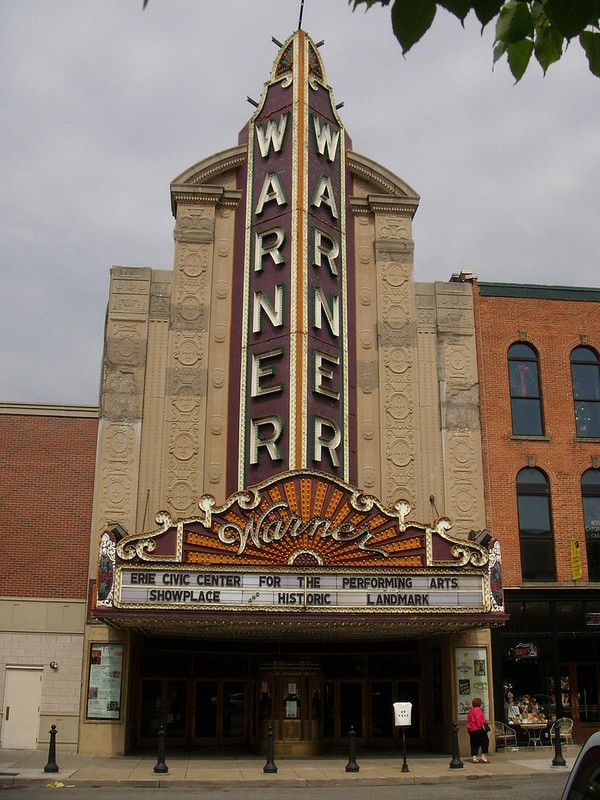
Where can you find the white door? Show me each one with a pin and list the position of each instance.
(22, 699)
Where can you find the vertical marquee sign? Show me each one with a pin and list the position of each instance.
(296, 361)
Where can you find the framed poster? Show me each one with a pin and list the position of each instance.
(104, 681)
(471, 679)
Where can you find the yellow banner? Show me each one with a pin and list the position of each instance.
(576, 570)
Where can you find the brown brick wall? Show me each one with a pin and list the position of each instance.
(554, 328)
(46, 489)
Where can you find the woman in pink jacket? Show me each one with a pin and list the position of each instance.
(476, 726)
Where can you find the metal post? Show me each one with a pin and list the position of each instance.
(404, 764)
(270, 765)
(456, 763)
(558, 760)
(52, 766)
(352, 766)
(160, 766)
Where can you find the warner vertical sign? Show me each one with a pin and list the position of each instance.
(293, 282)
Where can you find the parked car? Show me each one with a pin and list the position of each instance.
(584, 780)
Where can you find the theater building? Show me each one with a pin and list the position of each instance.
(289, 460)
(539, 369)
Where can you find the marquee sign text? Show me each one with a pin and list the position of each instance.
(299, 590)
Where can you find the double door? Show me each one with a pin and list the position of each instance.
(366, 706)
(194, 712)
(226, 713)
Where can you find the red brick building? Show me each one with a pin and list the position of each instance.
(47, 466)
(539, 372)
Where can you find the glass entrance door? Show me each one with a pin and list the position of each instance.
(163, 704)
(583, 686)
(342, 709)
(221, 712)
(368, 707)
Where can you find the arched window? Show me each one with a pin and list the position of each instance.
(585, 374)
(590, 495)
(525, 397)
(535, 526)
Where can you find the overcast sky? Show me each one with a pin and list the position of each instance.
(103, 104)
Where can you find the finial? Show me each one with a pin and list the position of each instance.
(301, 12)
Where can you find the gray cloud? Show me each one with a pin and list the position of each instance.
(103, 104)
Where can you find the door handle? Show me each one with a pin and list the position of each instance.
(7, 713)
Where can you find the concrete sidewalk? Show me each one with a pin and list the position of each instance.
(18, 767)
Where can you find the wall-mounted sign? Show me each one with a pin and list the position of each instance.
(293, 284)
(525, 650)
(104, 681)
(285, 591)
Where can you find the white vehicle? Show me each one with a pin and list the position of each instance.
(584, 780)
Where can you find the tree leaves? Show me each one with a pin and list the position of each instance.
(411, 19)
(523, 27)
(570, 17)
(460, 8)
(486, 10)
(514, 22)
(519, 55)
(548, 46)
(590, 41)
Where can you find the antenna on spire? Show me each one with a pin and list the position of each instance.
(301, 12)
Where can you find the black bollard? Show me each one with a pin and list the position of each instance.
(558, 760)
(456, 763)
(160, 766)
(270, 765)
(404, 764)
(352, 766)
(52, 766)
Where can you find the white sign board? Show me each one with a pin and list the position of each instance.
(402, 714)
(158, 588)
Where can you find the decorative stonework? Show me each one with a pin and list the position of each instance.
(460, 405)
(194, 226)
(117, 468)
(126, 345)
(187, 390)
(393, 248)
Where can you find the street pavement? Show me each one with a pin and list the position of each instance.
(26, 767)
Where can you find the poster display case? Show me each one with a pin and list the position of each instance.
(471, 665)
(105, 681)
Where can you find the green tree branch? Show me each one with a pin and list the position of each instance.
(524, 28)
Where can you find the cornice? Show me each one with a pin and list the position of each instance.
(381, 178)
(197, 179)
(48, 410)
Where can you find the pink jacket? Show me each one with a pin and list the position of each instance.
(475, 719)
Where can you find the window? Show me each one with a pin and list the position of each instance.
(535, 526)
(525, 398)
(585, 374)
(590, 495)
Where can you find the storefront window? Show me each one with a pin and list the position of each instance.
(590, 495)
(538, 616)
(587, 692)
(535, 526)
(569, 616)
